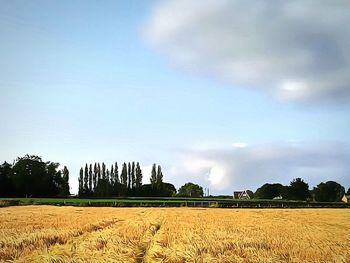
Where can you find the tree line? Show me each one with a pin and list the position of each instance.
(298, 189)
(99, 181)
(30, 176)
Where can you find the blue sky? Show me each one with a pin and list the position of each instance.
(174, 82)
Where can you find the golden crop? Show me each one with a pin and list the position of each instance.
(74, 234)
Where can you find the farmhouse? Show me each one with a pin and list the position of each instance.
(241, 195)
(346, 199)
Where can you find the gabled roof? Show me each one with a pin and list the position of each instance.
(240, 194)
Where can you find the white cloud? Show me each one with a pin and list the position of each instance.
(217, 176)
(230, 168)
(239, 144)
(295, 50)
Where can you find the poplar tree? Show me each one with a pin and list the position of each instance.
(65, 178)
(95, 176)
(90, 178)
(112, 177)
(133, 182)
(153, 178)
(98, 173)
(103, 171)
(159, 176)
(138, 178)
(124, 175)
(107, 177)
(86, 179)
(116, 173)
(129, 175)
(81, 180)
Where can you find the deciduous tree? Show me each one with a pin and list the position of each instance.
(329, 192)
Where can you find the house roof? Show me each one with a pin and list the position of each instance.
(238, 194)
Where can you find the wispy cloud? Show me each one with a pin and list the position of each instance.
(294, 50)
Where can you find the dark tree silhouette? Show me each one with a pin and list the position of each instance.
(86, 180)
(129, 175)
(153, 178)
(112, 177)
(133, 178)
(98, 172)
(103, 171)
(298, 190)
(32, 177)
(124, 175)
(159, 177)
(65, 186)
(108, 175)
(190, 190)
(95, 177)
(90, 179)
(329, 192)
(6, 184)
(269, 191)
(116, 173)
(138, 175)
(81, 182)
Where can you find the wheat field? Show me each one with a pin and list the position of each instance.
(77, 234)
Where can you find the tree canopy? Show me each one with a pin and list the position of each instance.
(190, 190)
(31, 176)
(297, 190)
(269, 191)
(329, 192)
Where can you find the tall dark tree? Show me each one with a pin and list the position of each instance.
(86, 180)
(129, 175)
(81, 182)
(298, 190)
(95, 176)
(108, 175)
(90, 179)
(116, 174)
(159, 176)
(112, 177)
(53, 180)
(65, 177)
(103, 171)
(98, 172)
(6, 185)
(133, 178)
(138, 175)
(348, 192)
(124, 175)
(116, 186)
(153, 178)
(329, 192)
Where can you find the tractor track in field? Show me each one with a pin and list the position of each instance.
(145, 244)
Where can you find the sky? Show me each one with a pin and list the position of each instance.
(227, 94)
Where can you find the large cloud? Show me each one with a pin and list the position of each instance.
(295, 50)
(242, 166)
